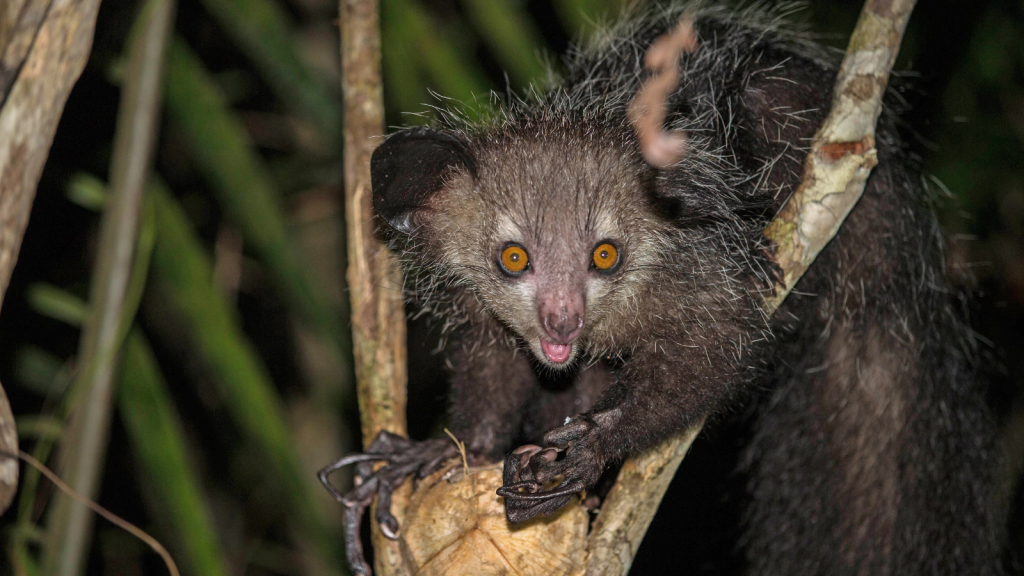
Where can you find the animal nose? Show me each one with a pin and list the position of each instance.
(563, 326)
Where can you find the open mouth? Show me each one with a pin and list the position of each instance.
(556, 353)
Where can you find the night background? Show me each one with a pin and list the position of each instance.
(236, 377)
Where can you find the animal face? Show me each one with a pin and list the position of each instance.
(551, 234)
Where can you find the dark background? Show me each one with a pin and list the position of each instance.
(962, 67)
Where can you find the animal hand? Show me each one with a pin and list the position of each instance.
(403, 458)
(572, 457)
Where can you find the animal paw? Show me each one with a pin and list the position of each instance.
(540, 480)
(403, 458)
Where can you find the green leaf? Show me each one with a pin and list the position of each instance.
(58, 304)
(264, 30)
(581, 17)
(183, 270)
(509, 32)
(87, 191)
(454, 76)
(158, 442)
(222, 149)
(36, 369)
(39, 427)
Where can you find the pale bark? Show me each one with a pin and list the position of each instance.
(630, 506)
(44, 46)
(843, 152)
(374, 280)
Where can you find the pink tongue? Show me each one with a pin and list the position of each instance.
(556, 353)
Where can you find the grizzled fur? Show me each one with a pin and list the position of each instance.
(872, 451)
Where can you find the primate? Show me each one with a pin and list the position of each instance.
(594, 305)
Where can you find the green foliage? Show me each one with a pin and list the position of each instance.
(159, 444)
(221, 147)
(264, 31)
(408, 27)
(55, 303)
(511, 35)
(183, 271)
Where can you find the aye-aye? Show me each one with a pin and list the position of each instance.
(594, 305)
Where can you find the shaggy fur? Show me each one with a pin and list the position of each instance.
(872, 451)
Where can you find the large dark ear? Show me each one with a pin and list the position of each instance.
(409, 168)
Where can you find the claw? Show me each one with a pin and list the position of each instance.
(572, 456)
(510, 492)
(404, 458)
(388, 523)
(549, 455)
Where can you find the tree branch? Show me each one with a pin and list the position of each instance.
(45, 45)
(836, 171)
(374, 280)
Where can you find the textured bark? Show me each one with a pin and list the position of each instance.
(45, 45)
(835, 173)
(18, 26)
(375, 283)
(844, 152)
(630, 506)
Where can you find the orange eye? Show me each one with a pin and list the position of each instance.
(606, 256)
(514, 259)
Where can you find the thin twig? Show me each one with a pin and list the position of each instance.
(110, 516)
(843, 152)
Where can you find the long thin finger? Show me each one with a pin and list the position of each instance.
(362, 493)
(388, 523)
(323, 475)
(353, 545)
(530, 485)
(326, 471)
(431, 466)
(568, 490)
(362, 457)
(516, 469)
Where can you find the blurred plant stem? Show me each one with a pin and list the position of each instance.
(83, 447)
(580, 17)
(263, 30)
(221, 147)
(452, 74)
(374, 280)
(511, 35)
(183, 272)
(158, 442)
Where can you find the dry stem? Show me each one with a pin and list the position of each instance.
(375, 284)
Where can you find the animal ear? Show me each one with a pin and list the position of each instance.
(409, 168)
